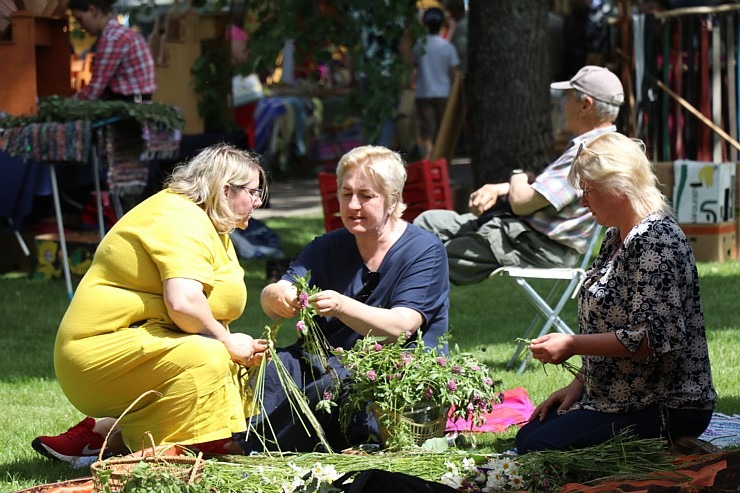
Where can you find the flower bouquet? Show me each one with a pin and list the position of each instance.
(405, 385)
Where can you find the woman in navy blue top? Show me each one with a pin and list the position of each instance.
(378, 274)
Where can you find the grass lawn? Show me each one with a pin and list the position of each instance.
(485, 319)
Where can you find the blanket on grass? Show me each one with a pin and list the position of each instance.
(515, 408)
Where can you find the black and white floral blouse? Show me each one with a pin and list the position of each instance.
(647, 289)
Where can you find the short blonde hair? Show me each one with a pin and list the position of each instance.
(618, 164)
(202, 179)
(385, 167)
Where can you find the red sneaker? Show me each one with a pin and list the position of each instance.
(222, 446)
(78, 441)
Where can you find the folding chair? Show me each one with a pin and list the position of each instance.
(567, 283)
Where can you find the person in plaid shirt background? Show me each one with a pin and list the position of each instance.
(123, 68)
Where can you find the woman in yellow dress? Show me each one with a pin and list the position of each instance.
(152, 313)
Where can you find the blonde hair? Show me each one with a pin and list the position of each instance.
(203, 178)
(618, 164)
(385, 167)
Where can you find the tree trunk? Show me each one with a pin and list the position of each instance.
(507, 88)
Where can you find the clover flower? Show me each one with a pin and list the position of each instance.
(300, 326)
(409, 377)
(303, 300)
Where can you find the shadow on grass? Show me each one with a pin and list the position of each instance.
(34, 472)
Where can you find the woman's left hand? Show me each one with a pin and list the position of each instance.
(552, 348)
(327, 303)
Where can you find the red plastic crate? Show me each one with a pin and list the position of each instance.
(329, 202)
(427, 187)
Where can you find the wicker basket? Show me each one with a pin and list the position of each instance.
(424, 423)
(113, 473)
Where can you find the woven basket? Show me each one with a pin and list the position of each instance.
(113, 473)
(422, 427)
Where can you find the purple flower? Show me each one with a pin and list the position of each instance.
(488, 381)
(457, 369)
(442, 361)
(328, 395)
(428, 393)
(377, 347)
(452, 385)
(300, 327)
(303, 299)
(470, 407)
(408, 334)
(371, 375)
(475, 368)
(406, 358)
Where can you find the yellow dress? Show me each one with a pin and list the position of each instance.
(103, 364)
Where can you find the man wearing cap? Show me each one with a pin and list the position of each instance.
(532, 221)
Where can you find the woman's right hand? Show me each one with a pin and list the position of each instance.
(563, 399)
(280, 299)
(244, 349)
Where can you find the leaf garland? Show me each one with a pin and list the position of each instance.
(61, 109)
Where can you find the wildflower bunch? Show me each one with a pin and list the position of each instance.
(318, 479)
(500, 473)
(314, 341)
(406, 376)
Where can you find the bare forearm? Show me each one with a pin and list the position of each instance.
(605, 344)
(366, 320)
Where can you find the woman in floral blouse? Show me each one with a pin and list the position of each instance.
(642, 339)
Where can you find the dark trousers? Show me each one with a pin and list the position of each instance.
(280, 428)
(583, 428)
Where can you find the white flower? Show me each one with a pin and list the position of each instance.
(516, 482)
(452, 480)
(468, 464)
(452, 468)
(496, 481)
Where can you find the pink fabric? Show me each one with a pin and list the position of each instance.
(236, 33)
(515, 409)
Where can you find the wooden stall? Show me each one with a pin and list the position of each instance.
(35, 61)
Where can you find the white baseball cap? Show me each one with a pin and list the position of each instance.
(597, 82)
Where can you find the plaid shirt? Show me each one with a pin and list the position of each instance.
(564, 220)
(123, 63)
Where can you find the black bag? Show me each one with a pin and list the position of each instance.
(375, 480)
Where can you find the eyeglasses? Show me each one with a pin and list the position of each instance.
(370, 281)
(255, 193)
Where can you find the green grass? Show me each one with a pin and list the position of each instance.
(485, 318)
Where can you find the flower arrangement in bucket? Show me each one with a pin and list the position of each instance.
(412, 389)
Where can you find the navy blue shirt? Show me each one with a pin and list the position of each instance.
(413, 274)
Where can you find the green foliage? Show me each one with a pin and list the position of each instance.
(319, 28)
(149, 477)
(61, 109)
(397, 379)
(210, 84)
